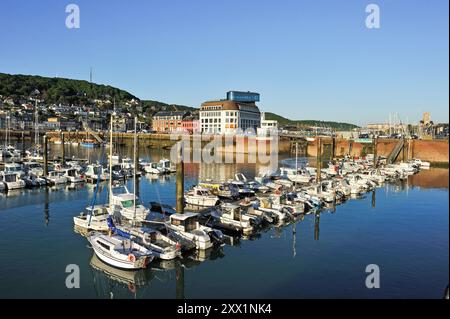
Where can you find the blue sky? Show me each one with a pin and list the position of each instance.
(309, 59)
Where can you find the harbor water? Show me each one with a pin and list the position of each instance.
(401, 227)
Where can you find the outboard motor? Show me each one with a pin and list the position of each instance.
(216, 236)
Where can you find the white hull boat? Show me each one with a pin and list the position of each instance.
(119, 251)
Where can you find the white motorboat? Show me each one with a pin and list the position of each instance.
(32, 180)
(373, 175)
(34, 168)
(222, 190)
(200, 196)
(56, 178)
(12, 181)
(186, 227)
(296, 175)
(93, 218)
(422, 164)
(14, 168)
(153, 168)
(230, 217)
(72, 175)
(161, 246)
(119, 251)
(122, 202)
(167, 166)
(94, 172)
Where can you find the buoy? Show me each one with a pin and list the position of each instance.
(131, 258)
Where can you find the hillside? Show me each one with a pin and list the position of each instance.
(76, 92)
(338, 126)
(59, 90)
(79, 92)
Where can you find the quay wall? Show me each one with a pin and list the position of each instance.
(435, 151)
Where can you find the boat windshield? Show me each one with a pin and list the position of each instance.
(13, 169)
(127, 203)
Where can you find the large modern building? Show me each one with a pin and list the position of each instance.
(237, 112)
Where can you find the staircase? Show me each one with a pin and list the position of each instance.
(396, 151)
(91, 132)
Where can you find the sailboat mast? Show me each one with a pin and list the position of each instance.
(134, 169)
(110, 159)
(296, 157)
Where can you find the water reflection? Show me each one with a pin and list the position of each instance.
(109, 282)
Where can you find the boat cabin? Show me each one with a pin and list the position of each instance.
(231, 211)
(187, 221)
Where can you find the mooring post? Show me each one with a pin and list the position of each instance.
(404, 150)
(375, 153)
(180, 180)
(23, 142)
(316, 226)
(63, 160)
(136, 165)
(373, 198)
(333, 148)
(319, 160)
(45, 156)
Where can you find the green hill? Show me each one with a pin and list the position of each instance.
(79, 92)
(338, 126)
(59, 90)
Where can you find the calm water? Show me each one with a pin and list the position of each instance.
(406, 234)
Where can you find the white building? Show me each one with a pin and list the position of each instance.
(268, 127)
(238, 111)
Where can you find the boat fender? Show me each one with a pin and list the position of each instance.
(131, 258)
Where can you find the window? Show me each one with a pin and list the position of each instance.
(107, 247)
(127, 203)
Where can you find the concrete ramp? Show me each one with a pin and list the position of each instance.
(91, 132)
(396, 151)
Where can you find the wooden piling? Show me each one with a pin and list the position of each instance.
(333, 148)
(23, 143)
(316, 226)
(180, 181)
(375, 153)
(45, 156)
(319, 160)
(63, 154)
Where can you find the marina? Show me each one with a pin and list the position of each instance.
(299, 236)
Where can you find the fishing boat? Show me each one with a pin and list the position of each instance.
(186, 226)
(200, 196)
(93, 218)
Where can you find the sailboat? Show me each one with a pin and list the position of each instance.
(117, 248)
